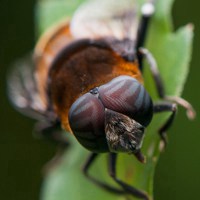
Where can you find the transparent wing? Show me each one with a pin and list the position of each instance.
(22, 89)
(106, 18)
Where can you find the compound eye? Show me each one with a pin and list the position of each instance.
(126, 95)
(86, 117)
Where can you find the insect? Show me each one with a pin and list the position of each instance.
(86, 77)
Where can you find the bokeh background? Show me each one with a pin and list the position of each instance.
(22, 157)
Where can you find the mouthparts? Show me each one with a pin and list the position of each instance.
(123, 133)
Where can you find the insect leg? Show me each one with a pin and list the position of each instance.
(165, 107)
(129, 189)
(51, 131)
(160, 86)
(147, 12)
(91, 159)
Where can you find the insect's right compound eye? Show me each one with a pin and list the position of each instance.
(127, 96)
(86, 119)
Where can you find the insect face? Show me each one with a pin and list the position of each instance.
(112, 116)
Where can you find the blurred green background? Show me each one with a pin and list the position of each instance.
(23, 157)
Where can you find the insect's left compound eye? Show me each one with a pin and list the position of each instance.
(86, 118)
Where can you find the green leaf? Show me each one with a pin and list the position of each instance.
(48, 12)
(172, 51)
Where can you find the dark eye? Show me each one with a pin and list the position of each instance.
(126, 95)
(86, 118)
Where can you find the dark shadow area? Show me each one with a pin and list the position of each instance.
(22, 156)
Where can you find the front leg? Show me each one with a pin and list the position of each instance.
(127, 188)
(160, 86)
(89, 162)
(165, 107)
(170, 102)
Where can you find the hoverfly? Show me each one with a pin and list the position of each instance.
(86, 77)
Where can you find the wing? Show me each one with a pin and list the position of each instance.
(25, 97)
(22, 89)
(106, 18)
(28, 79)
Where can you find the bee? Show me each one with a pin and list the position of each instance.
(86, 77)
